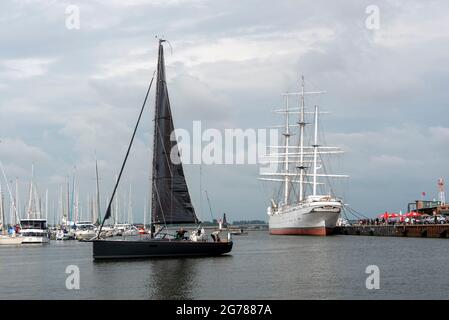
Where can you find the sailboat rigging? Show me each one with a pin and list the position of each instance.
(170, 199)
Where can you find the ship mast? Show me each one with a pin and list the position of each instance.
(302, 125)
(287, 138)
(315, 151)
(303, 156)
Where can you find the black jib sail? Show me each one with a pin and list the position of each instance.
(171, 202)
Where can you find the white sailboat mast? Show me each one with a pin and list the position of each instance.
(37, 203)
(145, 214)
(9, 190)
(17, 206)
(124, 215)
(287, 138)
(76, 205)
(2, 212)
(68, 202)
(97, 191)
(53, 211)
(75, 197)
(89, 214)
(130, 206)
(315, 151)
(31, 193)
(61, 207)
(46, 204)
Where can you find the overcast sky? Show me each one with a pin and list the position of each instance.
(68, 93)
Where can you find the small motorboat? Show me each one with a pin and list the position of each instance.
(238, 232)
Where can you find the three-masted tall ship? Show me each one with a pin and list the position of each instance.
(171, 202)
(305, 207)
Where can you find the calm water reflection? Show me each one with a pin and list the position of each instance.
(260, 267)
(172, 279)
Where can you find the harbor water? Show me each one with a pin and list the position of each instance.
(260, 266)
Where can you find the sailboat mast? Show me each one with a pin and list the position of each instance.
(144, 214)
(124, 215)
(77, 218)
(2, 212)
(72, 209)
(155, 135)
(286, 164)
(315, 151)
(53, 210)
(89, 214)
(9, 189)
(31, 192)
(68, 201)
(61, 207)
(130, 206)
(46, 204)
(98, 193)
(302, 125)
(17, 206)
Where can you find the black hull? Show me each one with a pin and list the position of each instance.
(123, 249)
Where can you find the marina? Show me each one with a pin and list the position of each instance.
(201, 150)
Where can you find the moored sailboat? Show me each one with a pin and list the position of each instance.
(171, 203)
(5, 238)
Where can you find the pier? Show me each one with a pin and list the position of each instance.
(415, 231)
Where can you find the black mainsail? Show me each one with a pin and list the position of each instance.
(171, 203)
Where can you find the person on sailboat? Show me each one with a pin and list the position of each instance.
(180, 234)
(215, 236)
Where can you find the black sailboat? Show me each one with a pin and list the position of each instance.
(171, 203)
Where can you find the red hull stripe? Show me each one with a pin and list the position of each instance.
(319, 231)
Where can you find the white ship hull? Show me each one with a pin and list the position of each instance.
(309, 218)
